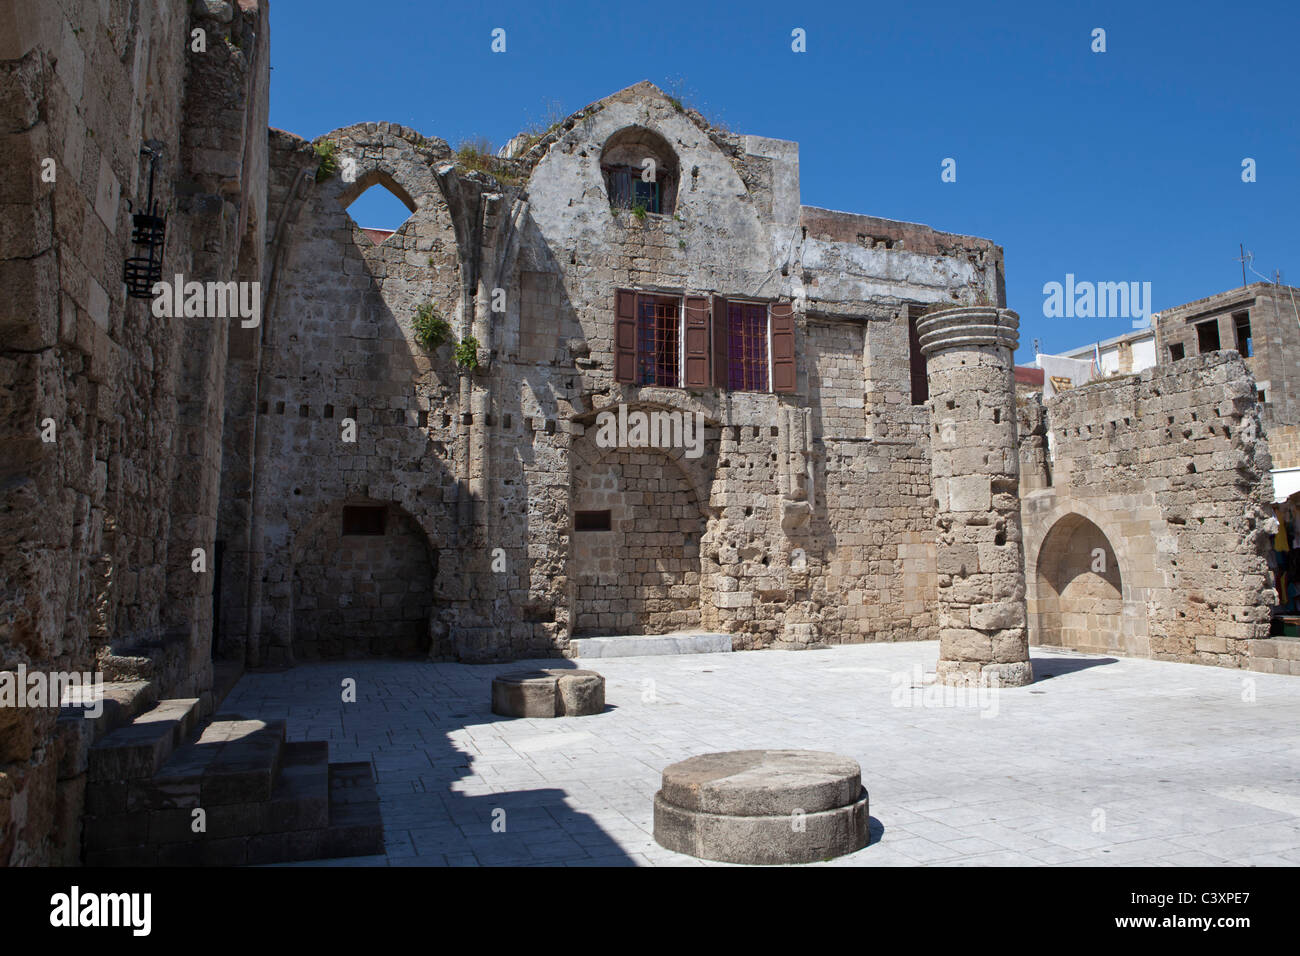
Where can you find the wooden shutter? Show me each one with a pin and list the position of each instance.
(697, 342)
(783, 374)
(721, 368)
(624, 336)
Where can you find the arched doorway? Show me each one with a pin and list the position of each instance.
(362, 584)
(1080, 589)
(635, 544)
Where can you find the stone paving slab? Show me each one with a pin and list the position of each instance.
(1101, 761)
(647, 645)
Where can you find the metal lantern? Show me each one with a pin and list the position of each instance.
(148, 233)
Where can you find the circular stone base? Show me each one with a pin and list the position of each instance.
(549, 692)
(762, 807)
(974, 674)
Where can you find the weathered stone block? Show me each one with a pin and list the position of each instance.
(552, 692)
(762, 807)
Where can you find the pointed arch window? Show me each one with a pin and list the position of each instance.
(378, 205)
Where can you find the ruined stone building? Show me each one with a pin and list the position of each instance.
(1261, 321)
(331, 482)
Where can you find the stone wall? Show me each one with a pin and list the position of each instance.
(809, 518)
(1284, 445)
(338, 360)
(1274, 316)
(526, 255)
(100, 523)
(1158, 490)
(836, 379)
(643, 575)
(358, 595)
(792, 474)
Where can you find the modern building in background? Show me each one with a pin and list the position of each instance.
(1260, 321)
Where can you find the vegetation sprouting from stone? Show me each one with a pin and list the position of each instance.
(477, 154)
(431, 329)
(467, 353)
(326, 151)
(685, 100)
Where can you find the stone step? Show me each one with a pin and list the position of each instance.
(356, 826)
(92, 714)
(651, 645)
(301, 800)
(141, 747)
(233, 761)
(263, 800)
(290, 826)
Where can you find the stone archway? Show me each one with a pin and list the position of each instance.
(363, 579)
(635, 544)
(1080, 589)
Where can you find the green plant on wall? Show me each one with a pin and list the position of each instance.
(639, 211)
(431, 329)
(467, 353)
(478, 154)
(329, 164)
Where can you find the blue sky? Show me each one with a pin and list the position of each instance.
(1115, 166)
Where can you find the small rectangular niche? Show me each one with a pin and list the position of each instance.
(364, 519)
(592, 521)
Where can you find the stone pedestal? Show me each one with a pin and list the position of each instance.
(549, 692)
(763, 806)
(975, 463)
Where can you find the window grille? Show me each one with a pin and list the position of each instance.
(747, 347)
(658, 319)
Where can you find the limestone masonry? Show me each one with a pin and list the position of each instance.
(339, 480)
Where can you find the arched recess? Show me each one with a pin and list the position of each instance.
(640, 168)
(1079, 589)
(636, 527)
(363, 579)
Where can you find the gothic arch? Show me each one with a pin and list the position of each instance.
(376, 177)
(363, 582)
(697, 472)
(639, 572)
(388, 156)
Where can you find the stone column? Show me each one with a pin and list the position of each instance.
(975, 465)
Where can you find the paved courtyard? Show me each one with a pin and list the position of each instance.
(1101, 761)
